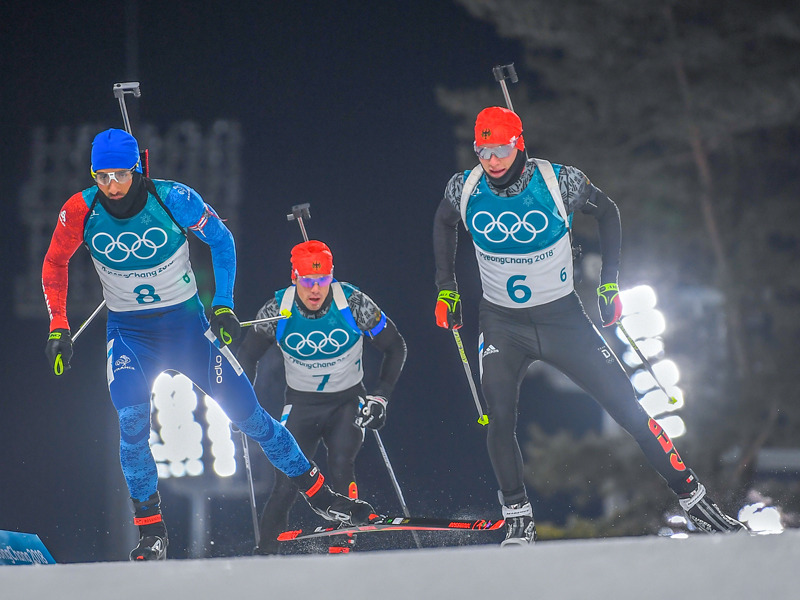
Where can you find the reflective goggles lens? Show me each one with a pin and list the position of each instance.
(118, 176)
(504, 151)
(309, 282)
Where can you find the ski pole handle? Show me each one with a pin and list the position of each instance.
(501, 73)
(300, 212)
(285, 314)
(483, 418)
(120, 89)
(646, 363)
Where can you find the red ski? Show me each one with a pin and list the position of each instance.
(396, 524)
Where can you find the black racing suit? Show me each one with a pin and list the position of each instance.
(322, 416)
(557, 332)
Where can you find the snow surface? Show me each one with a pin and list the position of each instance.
(705, 567)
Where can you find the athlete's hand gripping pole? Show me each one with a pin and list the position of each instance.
(483, 418)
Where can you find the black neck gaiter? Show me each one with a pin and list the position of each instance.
(510, 177)
(130, 204)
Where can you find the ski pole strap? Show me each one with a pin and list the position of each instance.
(450, 298)
(608, 291)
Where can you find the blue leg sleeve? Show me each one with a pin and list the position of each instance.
(138, 465)
(277, 442)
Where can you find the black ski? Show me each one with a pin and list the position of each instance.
(396, 524)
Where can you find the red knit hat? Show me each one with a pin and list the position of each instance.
(312, 258)
(497, 125)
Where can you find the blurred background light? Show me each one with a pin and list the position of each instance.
(637, 299)
(177, 433)
(673, 425)
(761, 519)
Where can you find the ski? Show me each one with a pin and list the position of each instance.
(395, 524)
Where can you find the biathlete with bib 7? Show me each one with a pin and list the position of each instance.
(325, 399)
(519, 213)
(136, 230)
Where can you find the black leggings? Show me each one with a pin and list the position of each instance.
(315, 417)
(562, 335)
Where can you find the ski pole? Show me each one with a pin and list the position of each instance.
(249, 469)
(245, 448)
(89, 320)
(119, 89)
(483, 418)
(394, 482)
(501, 73)
(300, 212)
(285, 314)
(646, 363)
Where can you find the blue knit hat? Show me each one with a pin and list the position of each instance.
(115, 149)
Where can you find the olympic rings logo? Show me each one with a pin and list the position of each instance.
(508, 224)
(317, 341)
(129, 243)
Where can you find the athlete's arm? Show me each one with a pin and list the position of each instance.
(258, 340)
(391, 343)
(445, 234)
(581, 194)
(191, 211)
(66, 239)
(383, 333)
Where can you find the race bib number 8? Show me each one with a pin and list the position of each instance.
(146, 294)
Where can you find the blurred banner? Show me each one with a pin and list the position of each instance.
(23, 549)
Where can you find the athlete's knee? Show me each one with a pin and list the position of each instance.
(134, 423)
(501, 402)
(341, 469)
(259, 425)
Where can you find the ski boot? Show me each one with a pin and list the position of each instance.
(329, 504)
(704, 514)
(520, 529)
(153, 540)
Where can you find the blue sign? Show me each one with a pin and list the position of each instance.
(23, 549)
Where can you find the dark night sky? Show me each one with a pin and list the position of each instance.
(337, 103)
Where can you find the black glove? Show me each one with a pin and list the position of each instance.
(59, 350)
(610, 304)
(448, 310)
(225, 325)
(371, 412)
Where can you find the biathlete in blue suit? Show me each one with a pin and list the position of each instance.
(136, 231)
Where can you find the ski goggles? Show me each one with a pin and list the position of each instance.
(504, 151)
(321, 280)
(120, 177)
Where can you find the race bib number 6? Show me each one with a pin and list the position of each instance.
(521, 293)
